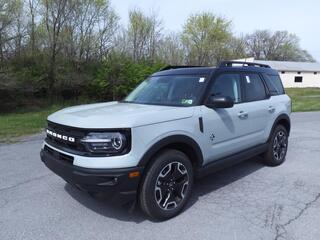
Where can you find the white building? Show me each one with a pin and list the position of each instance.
(295, 74)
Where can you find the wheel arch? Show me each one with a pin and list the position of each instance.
(183, 143)
(284, 120)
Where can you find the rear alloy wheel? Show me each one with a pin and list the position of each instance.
(167, 185)
(278, 145)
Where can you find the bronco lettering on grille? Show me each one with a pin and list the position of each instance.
(60, 136)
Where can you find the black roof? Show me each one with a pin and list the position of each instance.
(228, 66)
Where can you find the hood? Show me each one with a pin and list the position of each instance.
(118, 115)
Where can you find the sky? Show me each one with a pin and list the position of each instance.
(301, 17)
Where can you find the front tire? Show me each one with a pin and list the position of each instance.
(167, 185)
(278, 145)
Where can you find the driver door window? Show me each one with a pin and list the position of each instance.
(227, 85)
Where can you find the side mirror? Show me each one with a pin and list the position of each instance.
(219, 102)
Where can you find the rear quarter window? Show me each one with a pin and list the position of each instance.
(274, 84)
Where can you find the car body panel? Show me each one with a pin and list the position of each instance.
(282, 105)
(225, 133)
(118, 115)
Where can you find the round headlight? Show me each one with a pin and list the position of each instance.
(109, 142)
(117, 142)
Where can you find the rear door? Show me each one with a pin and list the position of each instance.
(257, 106)
(279, 103)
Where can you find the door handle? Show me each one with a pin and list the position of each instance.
(271, 109)
(242, 115)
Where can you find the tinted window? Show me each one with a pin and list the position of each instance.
(227, 85)
(254, 87)
(274, 84)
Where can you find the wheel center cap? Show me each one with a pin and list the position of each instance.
(171, 184)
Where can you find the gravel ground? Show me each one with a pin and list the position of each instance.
(247, 201)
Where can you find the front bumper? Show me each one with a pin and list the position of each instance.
(116, 182)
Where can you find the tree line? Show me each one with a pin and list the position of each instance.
(66, 49)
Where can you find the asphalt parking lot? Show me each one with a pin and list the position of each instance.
(247, 201)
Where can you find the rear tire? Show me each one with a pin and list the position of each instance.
(278, 145)
(167, 185)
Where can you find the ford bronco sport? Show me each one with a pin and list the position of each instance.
(179, 124)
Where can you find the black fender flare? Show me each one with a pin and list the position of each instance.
(280, 118)
(172, 140)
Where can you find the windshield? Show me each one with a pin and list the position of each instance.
(168, 90)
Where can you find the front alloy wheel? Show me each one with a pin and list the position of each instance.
(171, 185)
(167, 185)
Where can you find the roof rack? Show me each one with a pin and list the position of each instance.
(175, 67)
(248, 64)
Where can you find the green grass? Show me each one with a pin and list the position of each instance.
(304, 99)
(23, 123)
(13, 125)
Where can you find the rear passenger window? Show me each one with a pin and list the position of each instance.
(254, 87)
(227, 85)
(274, 84)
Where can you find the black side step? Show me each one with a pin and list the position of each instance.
(230, 160)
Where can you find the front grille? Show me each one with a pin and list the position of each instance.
(66, 131)
(58, 155)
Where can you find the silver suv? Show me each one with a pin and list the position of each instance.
(179, 124)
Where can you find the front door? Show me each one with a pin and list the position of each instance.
(225, 128)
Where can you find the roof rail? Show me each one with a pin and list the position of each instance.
(249, 64)
(175, 67)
